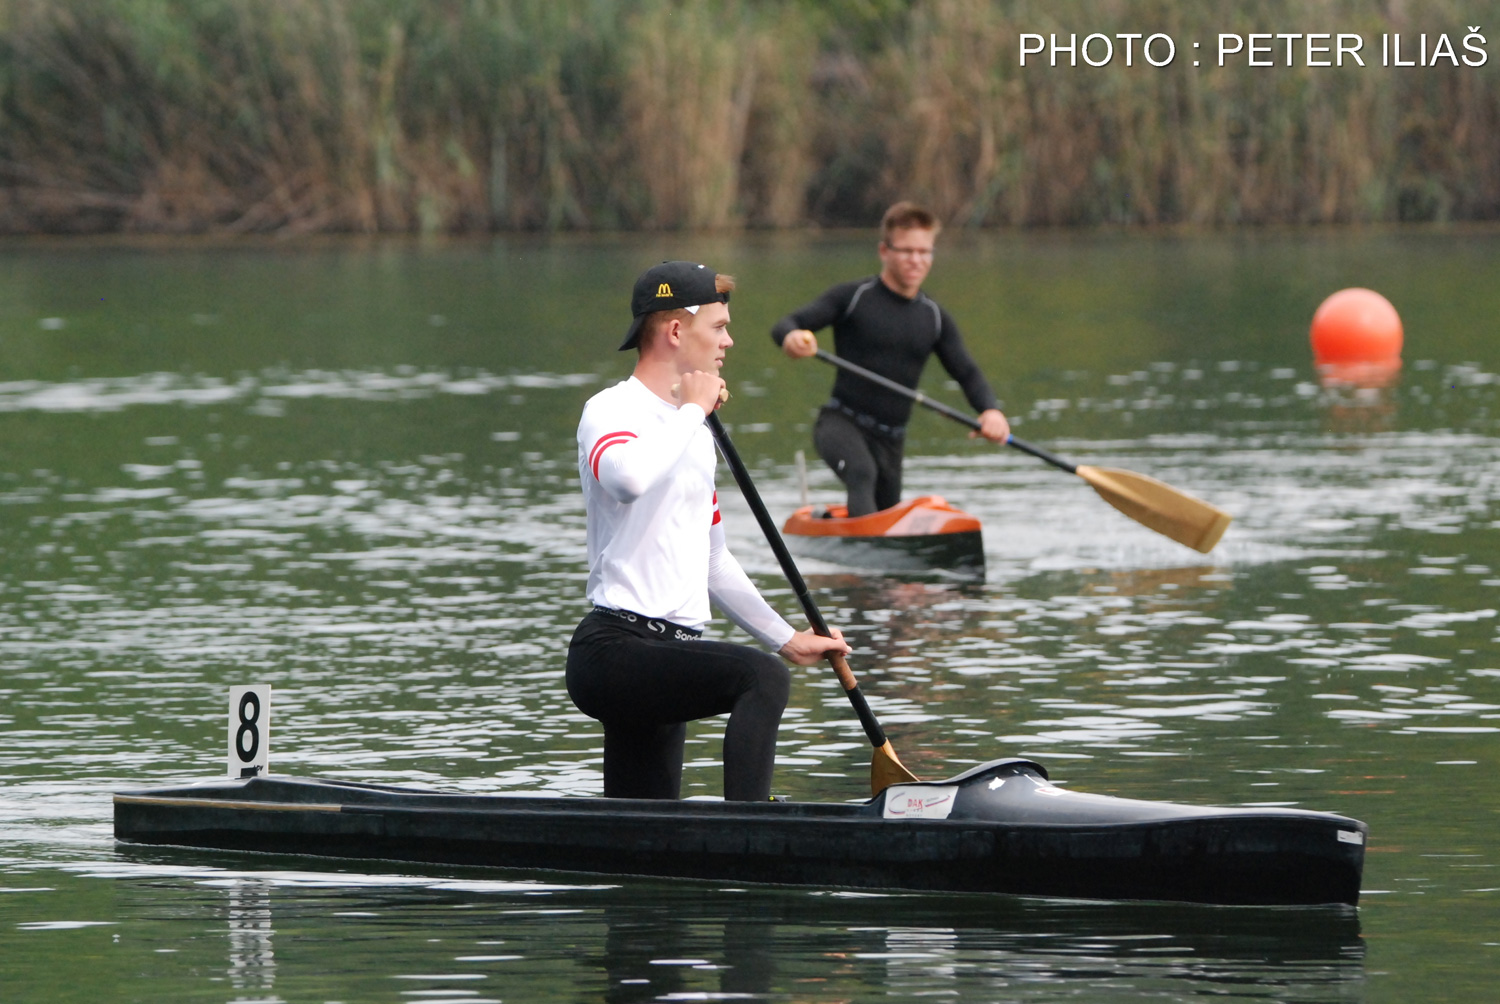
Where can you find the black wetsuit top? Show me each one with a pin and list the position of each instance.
(883, 331)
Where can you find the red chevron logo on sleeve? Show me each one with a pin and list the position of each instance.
(603, 443)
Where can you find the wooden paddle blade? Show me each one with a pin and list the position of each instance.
(887, 769)
(1163, 508)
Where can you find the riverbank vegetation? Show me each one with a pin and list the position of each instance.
(486, 115)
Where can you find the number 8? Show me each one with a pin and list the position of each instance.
(247, 724)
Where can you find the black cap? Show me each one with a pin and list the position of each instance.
(671, 285)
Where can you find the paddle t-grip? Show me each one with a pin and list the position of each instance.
(723, 393)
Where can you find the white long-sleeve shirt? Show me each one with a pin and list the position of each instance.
(655, 539)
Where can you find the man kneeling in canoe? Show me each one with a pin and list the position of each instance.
(885, 323)
(657, 556)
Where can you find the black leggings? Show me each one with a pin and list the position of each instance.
(868, 463)
(644, 684)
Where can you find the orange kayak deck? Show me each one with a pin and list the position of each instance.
(924, 534)
(919, 517)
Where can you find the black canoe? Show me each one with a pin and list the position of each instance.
(999, 828)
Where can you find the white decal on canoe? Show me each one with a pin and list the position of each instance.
(1045, 788)
(910, 801)
(1351, 837)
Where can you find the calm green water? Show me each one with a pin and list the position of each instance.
(348, 470)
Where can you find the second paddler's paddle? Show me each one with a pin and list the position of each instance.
(1148, 501)
(886, 768)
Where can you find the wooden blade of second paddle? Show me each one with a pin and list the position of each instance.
(887, 769)
(1159, 506)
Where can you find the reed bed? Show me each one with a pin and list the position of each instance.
(486, 115)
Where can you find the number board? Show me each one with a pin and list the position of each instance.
(249, 730)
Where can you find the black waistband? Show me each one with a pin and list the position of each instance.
(867, 422)
(654, 627)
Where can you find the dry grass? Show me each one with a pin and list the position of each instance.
(480, 115)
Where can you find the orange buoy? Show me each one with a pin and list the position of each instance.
(1356, 326)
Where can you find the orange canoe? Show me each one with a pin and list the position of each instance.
(924, 534)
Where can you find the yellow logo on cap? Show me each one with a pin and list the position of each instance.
(664, 290)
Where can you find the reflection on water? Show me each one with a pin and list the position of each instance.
(1360, 401)
(377, 515)
(252, 960)
(477, 936)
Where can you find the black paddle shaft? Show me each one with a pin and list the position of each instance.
(943, 409)
(867, 718)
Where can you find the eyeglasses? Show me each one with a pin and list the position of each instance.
(910, 252)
